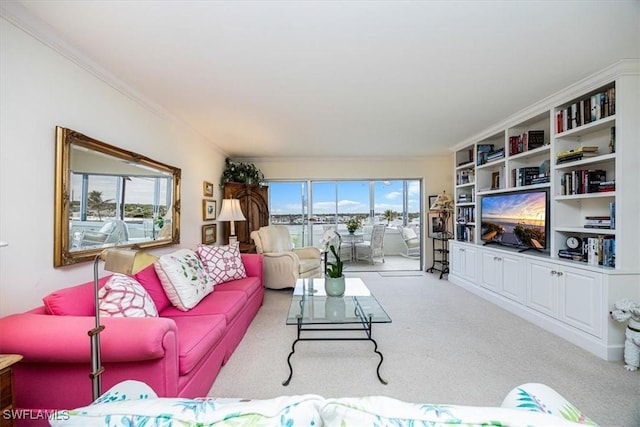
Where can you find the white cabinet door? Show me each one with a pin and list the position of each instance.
(542, 287)
(512, 283)
(463, 261)
(581, 299)
(491, 271)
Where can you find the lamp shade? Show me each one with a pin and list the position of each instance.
(231, 211)
(442, 203)
(125, 261)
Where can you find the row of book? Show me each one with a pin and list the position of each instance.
(600, 250)
(575, 154)
(526, 141)
(465, 198)
(585, 181)
(466, 215)
(587, 110)
(465, 233)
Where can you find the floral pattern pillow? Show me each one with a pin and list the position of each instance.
(123, 296)
(223, 263)
(184, 278)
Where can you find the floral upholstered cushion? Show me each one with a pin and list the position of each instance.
(385, 411)
(184, 279)
(134, 404)
(123, 296)
(222, 262)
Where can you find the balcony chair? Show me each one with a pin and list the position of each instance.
(411, 241)
(114, 232)
(373, 249)
(284, 264)
(336, 240)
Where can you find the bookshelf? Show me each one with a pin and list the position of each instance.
(587, 157)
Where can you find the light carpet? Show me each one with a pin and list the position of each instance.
(445, 345)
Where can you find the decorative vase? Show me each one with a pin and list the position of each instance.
(352, 231)
(334, 287)
(334, 308)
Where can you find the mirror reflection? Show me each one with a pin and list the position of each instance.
(111, 197)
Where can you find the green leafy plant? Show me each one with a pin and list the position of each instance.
(334, 269)
(245, 173)
(353, 224)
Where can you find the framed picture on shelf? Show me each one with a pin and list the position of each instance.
(436, 225)
(432, 200)
(208, 210)
(495, 180)
(207, 189)
(209, 232)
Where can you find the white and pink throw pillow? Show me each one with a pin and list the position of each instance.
(222, 262)
(183, 278)
(123, 296)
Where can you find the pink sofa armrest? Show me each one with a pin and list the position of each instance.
(253, 265)
(64, 339)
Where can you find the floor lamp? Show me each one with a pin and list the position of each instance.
(231, 211)
(123, 261)
(444, 205)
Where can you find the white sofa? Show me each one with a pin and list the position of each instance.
(134, 403)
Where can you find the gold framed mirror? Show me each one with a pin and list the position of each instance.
(106, 196)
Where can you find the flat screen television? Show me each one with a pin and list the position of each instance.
(518, 219)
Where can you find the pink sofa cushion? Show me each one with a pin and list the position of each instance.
(195, 341)
(74, 301)
(249, 286)
(149, 280)
(228, 303)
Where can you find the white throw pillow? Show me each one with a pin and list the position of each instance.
(184, 278)
(123, 296)
(223, 263)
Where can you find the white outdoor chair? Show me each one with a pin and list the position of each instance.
(411, 241)
(372, 250)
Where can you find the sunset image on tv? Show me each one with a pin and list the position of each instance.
(515, 219)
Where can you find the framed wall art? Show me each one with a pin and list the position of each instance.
(432, 200)
(208, 210)
(436, 225)
(209, 232)
(207, 189)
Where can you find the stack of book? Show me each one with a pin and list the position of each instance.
(603, 222)
(569, 254)
(576, 154)
(497, 154)
(606, 186)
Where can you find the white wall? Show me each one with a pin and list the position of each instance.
(40, 89)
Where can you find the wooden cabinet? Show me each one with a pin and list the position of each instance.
(254, 201)
(7, 394)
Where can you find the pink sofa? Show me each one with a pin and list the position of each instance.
(178, 354)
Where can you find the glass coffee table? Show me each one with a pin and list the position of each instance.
(319, 317)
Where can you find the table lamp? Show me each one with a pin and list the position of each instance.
(232, 212)
(444, 205)
(123, 261)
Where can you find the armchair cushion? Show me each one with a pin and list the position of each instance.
(183, 278)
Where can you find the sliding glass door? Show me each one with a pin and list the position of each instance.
(307, 207)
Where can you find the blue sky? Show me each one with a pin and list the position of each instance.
(352, 196)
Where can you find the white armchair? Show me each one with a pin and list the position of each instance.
(411, 241)
(284, 264)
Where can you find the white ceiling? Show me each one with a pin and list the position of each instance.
(337, 78)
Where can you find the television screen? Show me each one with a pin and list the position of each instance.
(516, 219)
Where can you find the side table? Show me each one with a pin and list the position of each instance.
(7, 394)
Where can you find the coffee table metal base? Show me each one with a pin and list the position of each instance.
(366, 327)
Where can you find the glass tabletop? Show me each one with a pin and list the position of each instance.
(312, 306)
